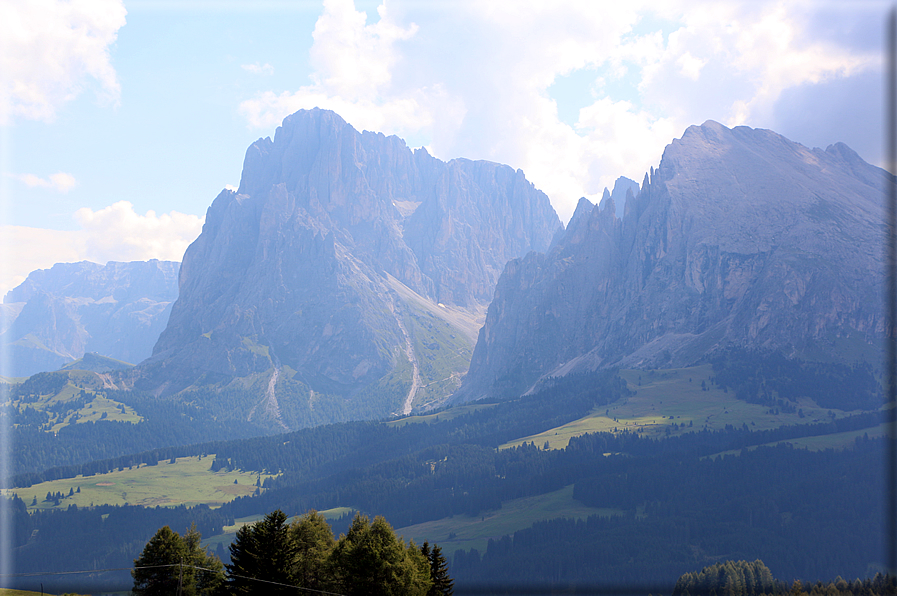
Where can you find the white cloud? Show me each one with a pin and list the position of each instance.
(60, 181)
(114, 233)
(689, 66)
(353, 64)
(256, 68)
(732, 61)
(28, 249)
(474, 80)
(51, 49)
(118, 233)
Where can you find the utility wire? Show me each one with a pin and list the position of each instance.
(254, 579)
(265, 581)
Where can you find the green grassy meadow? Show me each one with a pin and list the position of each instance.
(466, 532)
(186, 482)
(227, 536)
(446, 415)
(64, 407)
(665, 402)
(667, 397)
(822, 442)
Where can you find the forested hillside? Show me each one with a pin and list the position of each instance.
(662, 505)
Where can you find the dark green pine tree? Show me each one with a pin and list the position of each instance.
(262, 558)
(157, 570)
(370, 560)
(314, 542)
(443, 584)
(171, 564)
(207, 572)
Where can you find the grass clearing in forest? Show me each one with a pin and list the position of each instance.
(843, 440)
(466, 532)
(449, 414)
(230, 532)
(680, 397)
(188, 481)
(66, 406)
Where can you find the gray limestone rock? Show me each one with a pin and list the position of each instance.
(333, 243)
(57, 315)
(740, 238)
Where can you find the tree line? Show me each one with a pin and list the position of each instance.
(273, 557)
(668, 492)
(767, 377)
(743, 578)
(806, 512)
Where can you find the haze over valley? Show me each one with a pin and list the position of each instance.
(475, 298)
(734, 308)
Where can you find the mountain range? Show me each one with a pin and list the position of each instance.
(349, 276)
(669, 380)
(346, 269)
(58, 315)
(739, 239)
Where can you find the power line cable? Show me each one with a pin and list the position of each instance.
(255, 579)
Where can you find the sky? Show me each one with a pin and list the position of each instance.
(121, 121)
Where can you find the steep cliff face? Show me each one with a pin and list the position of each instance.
(57, 315)
(317, 265)
(740, 238)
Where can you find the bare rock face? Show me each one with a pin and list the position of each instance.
(740, 238)
(57, 315)
(334, 241)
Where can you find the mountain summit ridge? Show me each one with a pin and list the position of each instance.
(739, 238)
(305, 267)
(57, 315)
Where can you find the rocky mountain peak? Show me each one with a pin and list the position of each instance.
(314, 264)
(57, 315)
(739, 238)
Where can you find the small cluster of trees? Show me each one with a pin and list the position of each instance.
(741, 578)
(175, 564)
(731, 578)
(273, 557)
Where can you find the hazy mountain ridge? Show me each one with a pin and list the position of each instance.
(297, 270)
(57, 315)
(777, 244)
(741, 237)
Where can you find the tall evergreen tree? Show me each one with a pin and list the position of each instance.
(314, 541)
(442, 583)
(157, 570)
(262, 551)
(207, 571)
(371, 560)
(169, 562)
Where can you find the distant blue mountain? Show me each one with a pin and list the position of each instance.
(115, 310)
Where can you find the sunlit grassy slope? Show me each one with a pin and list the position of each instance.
(673, 402)
(442, 337)
(66, 406)
(466, 532)
(441, 416)
(188, 481)
(230, 532)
